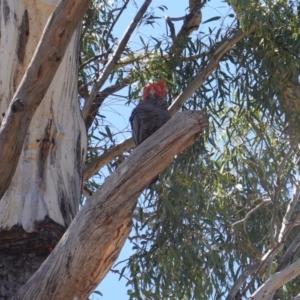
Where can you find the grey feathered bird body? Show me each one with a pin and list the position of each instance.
(148, 116)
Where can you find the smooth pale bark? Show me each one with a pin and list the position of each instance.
(39, 74)
(47, 181)
(277, 280)
(94, 239)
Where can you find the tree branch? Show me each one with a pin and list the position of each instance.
(297, 297)
(40, 72)
(122, 9)
(249, 270)
(191, 23)
(244, 220)
(97, 102)
(105, 158)
(289, 254)
(289, 211)
(115, 57)
(276, 281)
(176, 105)
(204, 73)
(95, 237)
(271, 253)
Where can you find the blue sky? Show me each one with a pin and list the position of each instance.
(111, 287)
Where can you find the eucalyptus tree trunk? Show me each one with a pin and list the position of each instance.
(43, 196)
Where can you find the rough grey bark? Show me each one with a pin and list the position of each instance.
(22, 253)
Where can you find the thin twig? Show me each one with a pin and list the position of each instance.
(121, 275)
(99, 99)
(115, 57)
(96, 57)
(250, 212)
(116, 20)
(266, 257)
(105, 158)
(204, 73)
(241, 280)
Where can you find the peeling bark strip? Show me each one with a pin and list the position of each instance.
(23, 37)
(6, 11)
(91, 244)
(36, 81)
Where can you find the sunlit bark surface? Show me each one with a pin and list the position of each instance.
(47, 181)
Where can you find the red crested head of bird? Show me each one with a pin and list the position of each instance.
(156, 90)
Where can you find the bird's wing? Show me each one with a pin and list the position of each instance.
(135, 124)
(146, 118)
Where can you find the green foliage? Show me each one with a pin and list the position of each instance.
(220, 205)
(197, 244)
(271, 60)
